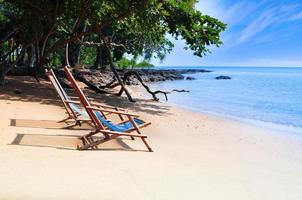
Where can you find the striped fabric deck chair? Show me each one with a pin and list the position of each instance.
(129, 127)
(71, 103)
(72, 109)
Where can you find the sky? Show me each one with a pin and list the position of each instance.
(259, 33)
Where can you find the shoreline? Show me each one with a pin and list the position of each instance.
(195, 156)
(265, 125)
(278, 128)
(263, 98)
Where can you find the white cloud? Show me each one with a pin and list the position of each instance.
(232, 14)
(297, 16)
(259, 24)
(271, 17)
(251, 24)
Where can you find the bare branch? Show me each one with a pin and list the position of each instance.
(153, 93)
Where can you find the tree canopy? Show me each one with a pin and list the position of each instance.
(34, 33)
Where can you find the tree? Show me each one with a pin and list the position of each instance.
(112, 28)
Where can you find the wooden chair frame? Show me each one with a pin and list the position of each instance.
(75, 100)
(88, 141)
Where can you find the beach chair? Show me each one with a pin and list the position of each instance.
(71, 103)
(72, 110)
(129, 127)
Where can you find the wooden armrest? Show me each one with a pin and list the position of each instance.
(73, 97)
(75, 102)
(123, 134)
(104, 106)
(112, 111)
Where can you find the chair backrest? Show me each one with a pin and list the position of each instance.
(55, 83)
(71, 108)
(83, 99)
(58, 86)
(74, 108)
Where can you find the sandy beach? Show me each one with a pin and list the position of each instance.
(195, 156)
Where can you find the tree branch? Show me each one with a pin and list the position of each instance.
(128, 74)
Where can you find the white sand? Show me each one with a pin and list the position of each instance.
(196, 157)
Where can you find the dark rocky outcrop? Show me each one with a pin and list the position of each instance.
(101, 78)
(193, 71)
(16, 91)
(190, 78)
(223, 78)
(102, 81)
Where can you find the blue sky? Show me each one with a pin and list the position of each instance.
(260, 33)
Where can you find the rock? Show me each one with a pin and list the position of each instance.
(223, 78)
(16, 91)
(190, 78)
(193, 71)
(97, 79)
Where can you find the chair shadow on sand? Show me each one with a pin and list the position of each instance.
(48, 124)
(66, 142)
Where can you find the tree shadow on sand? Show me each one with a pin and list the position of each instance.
(27, 89)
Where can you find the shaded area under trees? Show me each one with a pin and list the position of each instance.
(34, 34)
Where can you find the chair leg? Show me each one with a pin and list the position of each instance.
(86, 144)
(89, 143)
(91, 133)
(64, 120)
(93, 144)
(77, 123)
(147, 145)
(90, 139)
(139, 132)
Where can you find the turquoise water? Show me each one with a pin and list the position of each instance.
(267, 95)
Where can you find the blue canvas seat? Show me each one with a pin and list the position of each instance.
(123, 127)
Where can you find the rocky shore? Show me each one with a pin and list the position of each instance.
(100, 78)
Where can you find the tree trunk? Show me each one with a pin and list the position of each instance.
(98, 58)
(4, 69)
(31, 58)
(113, 69)
(74, 53)
(22, 57)
(2, 79)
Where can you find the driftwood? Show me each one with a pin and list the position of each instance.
(94, 87)
(98, 85)
(128, 74)
(90, 84)
(116, 80)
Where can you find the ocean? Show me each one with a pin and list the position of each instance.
(267, 96)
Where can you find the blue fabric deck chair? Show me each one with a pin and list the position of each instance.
(130, 127)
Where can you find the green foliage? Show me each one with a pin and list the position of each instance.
(135, 27)
(87, 56)
(144, 64)
(125, 63)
